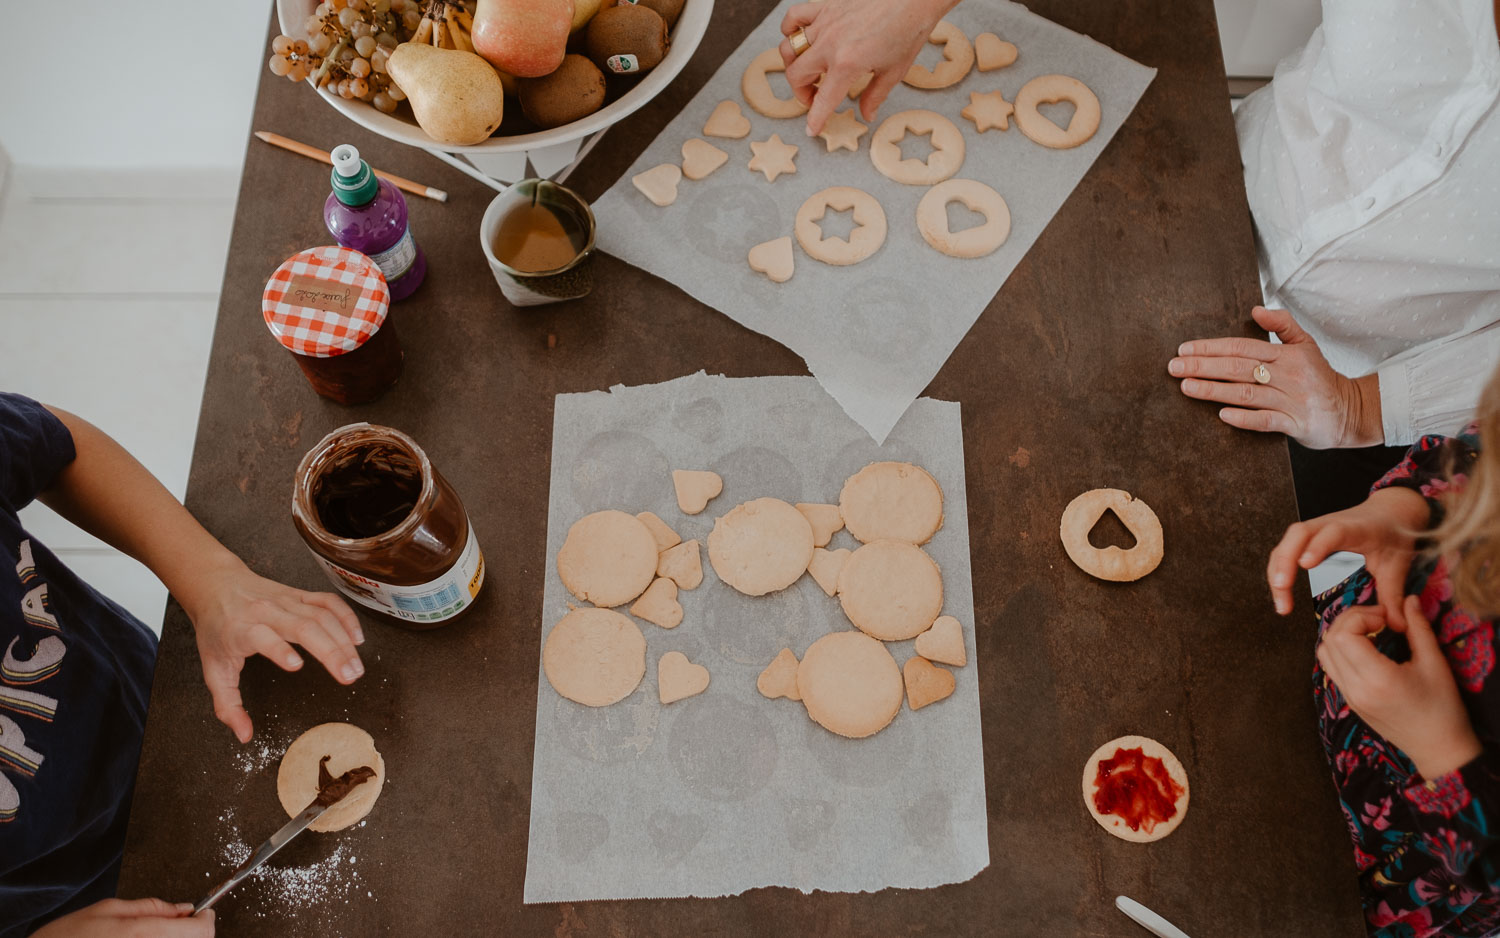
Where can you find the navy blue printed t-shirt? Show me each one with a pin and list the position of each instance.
(74, 682)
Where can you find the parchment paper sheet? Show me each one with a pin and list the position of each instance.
(728, 791)
(874, 334)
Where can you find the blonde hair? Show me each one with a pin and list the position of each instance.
(1471, 527)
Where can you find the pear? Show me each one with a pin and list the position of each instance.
(457, 97)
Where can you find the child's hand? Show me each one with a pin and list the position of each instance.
(133, 918)
(1415, 705)
(1377, 528)
(237, 613)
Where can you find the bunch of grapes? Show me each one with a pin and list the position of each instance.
(347, 45)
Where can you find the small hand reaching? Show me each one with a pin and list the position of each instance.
(131, 918)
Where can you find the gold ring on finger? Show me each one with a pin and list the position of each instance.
(800, 42)
(1262, 374)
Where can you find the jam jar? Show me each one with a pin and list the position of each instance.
(386, 527)
(328, 306)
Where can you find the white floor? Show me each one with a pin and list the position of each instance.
(109, 284)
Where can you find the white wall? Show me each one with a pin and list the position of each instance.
(1256, 34)
(149, 83)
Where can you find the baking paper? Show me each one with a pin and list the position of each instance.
(874, 334)
(727, 791)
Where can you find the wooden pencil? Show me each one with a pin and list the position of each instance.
(286, 143)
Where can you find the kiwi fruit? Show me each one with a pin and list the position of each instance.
(574, 90)
(669, 10)
(628, 29)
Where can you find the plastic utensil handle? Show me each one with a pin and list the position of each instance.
(1148, 919)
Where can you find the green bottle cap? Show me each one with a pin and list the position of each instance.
(353, 182)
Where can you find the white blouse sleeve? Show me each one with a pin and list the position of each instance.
(1435, 388)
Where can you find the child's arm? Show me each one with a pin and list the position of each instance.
(235, 612)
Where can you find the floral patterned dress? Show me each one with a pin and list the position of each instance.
(1427, 850)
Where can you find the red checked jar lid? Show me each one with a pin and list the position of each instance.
(329, 307)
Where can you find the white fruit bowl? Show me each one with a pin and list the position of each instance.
(402, 127)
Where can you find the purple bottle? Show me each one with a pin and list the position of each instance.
(368, 214)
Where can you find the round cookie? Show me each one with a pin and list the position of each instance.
(1112, 563)
(947, 155)
(594, 656)
(894, 501)
(609, 558)
(348, 747)
(932, 218)
(1046, 89)
(891, 590)
(757, 89)
(761, 546)
(1148, 830)
(850, 684)
(864, 240)
(958, 58)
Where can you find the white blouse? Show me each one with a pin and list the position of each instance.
(1372, 164)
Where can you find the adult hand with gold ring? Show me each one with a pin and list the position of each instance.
(849, 39)
(1301, 396)
(799, 42)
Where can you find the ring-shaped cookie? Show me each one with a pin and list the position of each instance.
(958, 58)
(1112, 563)
(864, 240)
(1048, 89)
(932, 218)
(947, 155)
(757, 88)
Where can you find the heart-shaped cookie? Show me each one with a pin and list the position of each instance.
(943, 642)
(681, 565)
(826, 521)
(774, 259)
(664, 535)
(677, 677)
(727, 121)
(992, 52)
(695, 487)
(926, 683)
(659, 605)
(779, 679)
(825, 566)
(699, 158)
(659, 183)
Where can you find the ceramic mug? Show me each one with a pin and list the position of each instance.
(533, 288)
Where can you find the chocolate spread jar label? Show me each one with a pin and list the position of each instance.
(436, 601)
(623, 64)
(398, 258)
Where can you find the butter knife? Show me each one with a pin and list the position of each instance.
(1148, 919)
(263, 853)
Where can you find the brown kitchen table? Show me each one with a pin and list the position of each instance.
(1064, 388)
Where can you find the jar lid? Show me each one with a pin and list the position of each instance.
(325, 301)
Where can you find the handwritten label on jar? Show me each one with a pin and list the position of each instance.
(327, 295)
(435, 601)
(623, 64)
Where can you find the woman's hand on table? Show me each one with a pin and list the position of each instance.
(1381, 528)
(1415, 705)
(131, 918)
(849, 39)
(1304, 398)
(238, 613)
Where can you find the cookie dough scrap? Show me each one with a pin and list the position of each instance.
(825, 520)
(1136, 789)
(779, 679)
(1112, 563)
(595, 657)
(842, 131)
(700, 158)
(695, 488)
(678, 678)
(659, 183)
(608, 559)
(825, 566)
(988, 110)
(891, 590)
(892, 501)
(761, 546)
(665, 536)
(850, 684)
(992, 52)
(926, 683)
(774, 259)
(659, 605)
(958, 58)
(772, 157)
(756, 87)
(1049, 89)
(944, 642)
(346, 748)
(682, 565)
(727, 121)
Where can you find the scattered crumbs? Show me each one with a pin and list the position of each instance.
(1021, 458)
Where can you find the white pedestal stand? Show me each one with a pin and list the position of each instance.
(499, 170)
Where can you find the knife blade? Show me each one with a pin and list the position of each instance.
(1148, 919)
(263, 853)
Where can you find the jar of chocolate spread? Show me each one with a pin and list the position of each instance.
(386, 527)
(328, 306)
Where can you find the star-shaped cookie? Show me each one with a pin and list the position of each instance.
(772, 157)
(988, 110)
(842, 131)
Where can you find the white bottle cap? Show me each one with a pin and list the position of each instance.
(345, 160)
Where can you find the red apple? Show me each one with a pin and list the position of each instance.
(526, 38)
